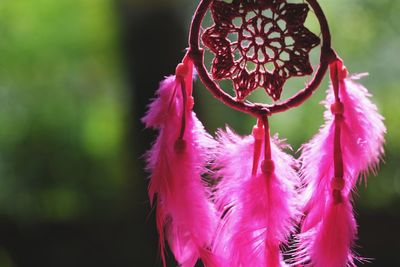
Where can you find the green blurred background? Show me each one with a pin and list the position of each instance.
(75, 77)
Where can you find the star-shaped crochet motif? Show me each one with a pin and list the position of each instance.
(259, 43)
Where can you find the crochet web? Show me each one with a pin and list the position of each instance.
(259, 43)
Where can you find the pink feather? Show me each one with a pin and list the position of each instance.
(328, 231)
(185, 216)
(363, 130)
(362, 137)
(332, 244)
(232, 166)
(260, 211)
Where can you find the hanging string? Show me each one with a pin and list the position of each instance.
(258, 134)
(337, 110)
(267, 165)
(181, 73)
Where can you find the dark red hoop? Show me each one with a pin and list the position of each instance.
(196, 53)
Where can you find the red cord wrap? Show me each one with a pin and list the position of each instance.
(183, 76)
(258, 134)
(338, 73)
(267, 165)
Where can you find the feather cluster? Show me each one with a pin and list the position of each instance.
(259, 211)
(252, 210)
(329, 229)
(184, 214)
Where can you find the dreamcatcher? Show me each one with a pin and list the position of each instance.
(261, 196)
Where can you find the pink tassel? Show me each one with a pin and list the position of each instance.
(185, 216)
(351, 142)
(261, 209)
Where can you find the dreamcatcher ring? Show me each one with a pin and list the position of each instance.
(196, 53)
